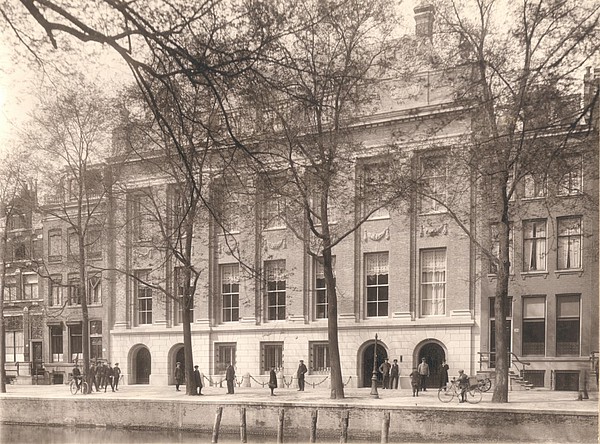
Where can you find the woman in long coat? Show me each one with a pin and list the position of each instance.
(444, 375)
(272, 380)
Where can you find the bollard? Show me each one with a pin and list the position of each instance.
(345, 419)
(385, 428)
(243, 436)
(247, 380)
(313, 426)
(215, 434)
(280, 426)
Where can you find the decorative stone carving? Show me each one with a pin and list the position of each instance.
(385, 234)
(434, 231)
(276, 244)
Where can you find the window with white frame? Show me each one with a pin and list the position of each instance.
(534, 326)
(180, 285)
(434, 180)
(224, 355)
(54, 245)
(534, 186)
(55, 290)
(56, 343)
(10, 289)
(76, 342)
(568, 325)
(14, 340)
(534, 245)
(275, 211)
(496, 247)
(96, 339)
(321, 299)
(319, 358)
(230, 292)
(374, 190)
(143, 295)
(569, 243)
(433, 282)
(276, 289)
(30, 286)
(571, 182)
(94, 289)
(377, 284)
(271, 354)
(74, 290)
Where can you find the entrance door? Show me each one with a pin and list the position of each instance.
(143, 364)
(38, 366)
(367, 359)
(179, 357)
(434, 356)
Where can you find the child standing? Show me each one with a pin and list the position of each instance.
(415, 381)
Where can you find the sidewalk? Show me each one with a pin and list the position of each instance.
(531, 400)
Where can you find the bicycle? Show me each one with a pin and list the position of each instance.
(83, 386)
(447, 394)
(485, 384)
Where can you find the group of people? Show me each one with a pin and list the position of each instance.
(420, 373)
(390, 373)
(101, 376)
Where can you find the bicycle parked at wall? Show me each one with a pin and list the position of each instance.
(473, 393)
(77, 384)
(485, 384)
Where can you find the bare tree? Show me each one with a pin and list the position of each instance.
(525, 58)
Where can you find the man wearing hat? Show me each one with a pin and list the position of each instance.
(198, 381)
(178, 376)
(300, 375)
(463, 385)
(116, 376)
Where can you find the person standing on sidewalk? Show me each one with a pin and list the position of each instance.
(110, 377)
(415, 381)
(300, 375)
(394, 375)
(384, 369)
(178, 376)
(444, 375)
(272, 381)
(197, 381)
(92, 377)
(423, 370)
(116, 376)
(230, 378)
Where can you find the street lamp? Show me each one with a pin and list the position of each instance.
(374, 393)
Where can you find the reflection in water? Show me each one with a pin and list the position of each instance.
(25, 434)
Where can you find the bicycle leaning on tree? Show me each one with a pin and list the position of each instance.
(473, 393)
(76, 384)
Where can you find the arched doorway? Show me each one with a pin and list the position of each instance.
(367, 363)
(177, 354)
(142, 366)
(434, 356)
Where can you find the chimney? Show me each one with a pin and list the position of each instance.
(424, 13)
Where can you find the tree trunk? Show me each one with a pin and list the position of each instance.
(337, 385)
(85, 318)
(2, 283)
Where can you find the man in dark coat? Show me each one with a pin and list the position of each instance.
(110, 377)
(77, 376)
(300, 375)
(394, 375)
(444, 375)
(272, 381)
(384, 369)
(92, 377)
(101, 376)
(178, 376)
(197, 381)
(116, 376)
(230, 378)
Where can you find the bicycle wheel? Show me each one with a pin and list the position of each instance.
(446, 395)
(84, 388)
(73, 387)
(473, 395)
(485, 385)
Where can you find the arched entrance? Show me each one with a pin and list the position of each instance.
(141, 366)
(434, 356)
(367, 363)
(177, 354)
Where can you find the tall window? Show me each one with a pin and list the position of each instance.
(434, 180)
(319, 357)
(143, 295)
(10, 289)
(230, 212)
(94, 289)
(224, 355)
(571, 182)
(569, 243)
(567, 325)
(230, 292)
(377, 279)
(507, 329)
(180, 285)
(276, 282)
(56, 290)
(535, 187)
(433, 282)
(374, 187)
(74, 291)
(30, 286)
(271, 354)
(534, 325)
(96, 339)
(72, 244)
(21, 250)
(94, 243)
(496, 248)
(54, 245)
(56, 343)
(274, 211)
(321, 299)
(534, 245)
(142, 209)
(76, 341)
(14, 339)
